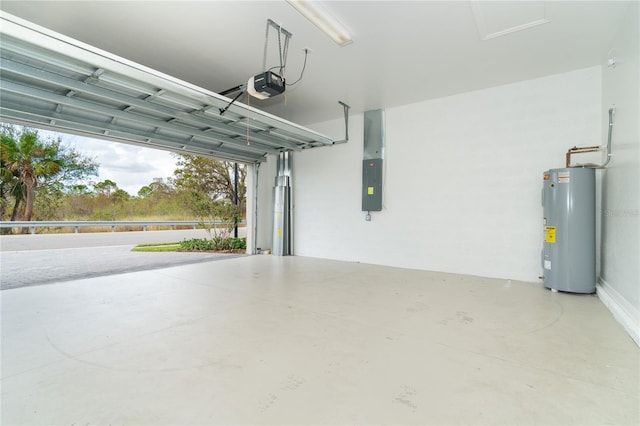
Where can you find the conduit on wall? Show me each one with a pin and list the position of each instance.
(282, 238)
(51, 81)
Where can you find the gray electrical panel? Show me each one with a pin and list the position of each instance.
(372, 185)
(569, 249)
(374, 137)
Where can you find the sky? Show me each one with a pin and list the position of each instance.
(131, 167)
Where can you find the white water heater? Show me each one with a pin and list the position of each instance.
(569, 249)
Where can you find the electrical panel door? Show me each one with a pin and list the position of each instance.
(372, 185)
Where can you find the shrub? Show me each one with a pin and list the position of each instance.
(238, 243)
(215, 243)
(197, 244)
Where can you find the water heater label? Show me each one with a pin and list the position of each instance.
(564, 177)
(547, 264)
(550, 234)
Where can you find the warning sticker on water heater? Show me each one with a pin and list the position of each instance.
(550, 234)
(564, 177)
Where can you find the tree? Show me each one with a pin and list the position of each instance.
(31, 161)
(210, 176)
(160, 198)
(157, 188)
(78, 202)
(7, 182)
(110, 201)
(106, 188)
(208, 211)
(120, 196)
(49, 202)
(9, 186)
(208, 189)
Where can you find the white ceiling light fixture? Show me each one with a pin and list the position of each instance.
(321, 19)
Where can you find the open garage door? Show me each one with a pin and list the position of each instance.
(50, 81)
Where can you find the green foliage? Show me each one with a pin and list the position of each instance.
(31, 166)
(209, 211)
(157, 244)
(162, 247)
(49, 202)
(214, 244)
(105, 188)
(238, 243)
(197, 244)
(45, 180)
(108, 202)
(211, 177)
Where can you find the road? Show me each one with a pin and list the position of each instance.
(44, 259)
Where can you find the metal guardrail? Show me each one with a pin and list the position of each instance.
(32, 225)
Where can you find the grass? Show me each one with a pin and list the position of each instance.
(158, 244)
(156, 247)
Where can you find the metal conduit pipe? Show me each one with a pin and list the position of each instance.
(611, 112)
(346, 109)
(256, 168)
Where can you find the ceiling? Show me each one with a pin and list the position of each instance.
(403, 52)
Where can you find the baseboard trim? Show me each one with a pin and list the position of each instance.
(626, 314)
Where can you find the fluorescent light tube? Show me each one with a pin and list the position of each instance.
(322, 20)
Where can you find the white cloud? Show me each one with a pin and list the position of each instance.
(129, 166)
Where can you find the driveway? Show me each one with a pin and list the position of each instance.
(45, 259)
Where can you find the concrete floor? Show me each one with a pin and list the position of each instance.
(268, 340)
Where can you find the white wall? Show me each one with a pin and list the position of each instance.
(620, 274)
(462, 179)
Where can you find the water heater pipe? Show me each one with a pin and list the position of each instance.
(581, 150)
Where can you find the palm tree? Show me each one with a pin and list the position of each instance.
(9, 186)
(29, 160)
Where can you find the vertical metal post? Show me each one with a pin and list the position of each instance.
(235, 198)
(282, 238)
(256, 187)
